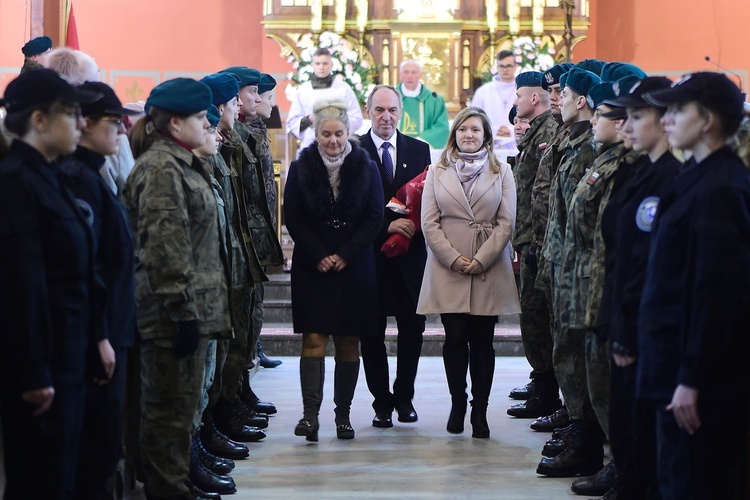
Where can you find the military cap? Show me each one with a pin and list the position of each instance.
(512, 113)
(37, 46)
(581, 81)
(633, 98)
(622, 89)
(213, 116)
(107, 104)
(552, 75)
(563, 80)
(224, 86)
(267, 82)
(617, 70)
(593, 65)
(712, 90)
(247, 76)
(42, 86)
(600, 93)
(529, 79)
(180, 95)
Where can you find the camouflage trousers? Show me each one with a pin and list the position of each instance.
(171, 391)
(240, 347)
(208, 381)
(582, 367)
(260, 293)
(535, 322)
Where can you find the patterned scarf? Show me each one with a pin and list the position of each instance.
(333, 164)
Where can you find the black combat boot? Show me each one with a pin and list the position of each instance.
(544, 401)
(584, 455)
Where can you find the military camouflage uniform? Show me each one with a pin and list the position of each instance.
(262, 229)
(577, 156)
(179, 275)
(535, 314)
(584, 208)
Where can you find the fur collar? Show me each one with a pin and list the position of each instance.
(354, 183)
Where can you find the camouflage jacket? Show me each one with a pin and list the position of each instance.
(540, 191)
(262, 231)
(259, 145)
(592, 301)
(532, 147)
(179, 270)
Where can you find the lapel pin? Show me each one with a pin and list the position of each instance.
(403, 166)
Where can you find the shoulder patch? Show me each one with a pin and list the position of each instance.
(644, 217)
(86, 211)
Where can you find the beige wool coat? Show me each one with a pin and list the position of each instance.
(479, 228)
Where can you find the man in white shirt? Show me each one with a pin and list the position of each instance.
(323, 85)
(496, 97)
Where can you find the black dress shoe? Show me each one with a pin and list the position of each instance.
(265, 361)
(219, 444)
(535, 407)
(406, 413)
(522, 393)
(572, 462)
(209, 482)
(551, 422)
(598, 484)
(382, 419)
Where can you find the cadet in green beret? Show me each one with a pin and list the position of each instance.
(181, 285)
(33, 50)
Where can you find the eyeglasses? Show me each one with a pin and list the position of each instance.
(117, 120)
(506, 66)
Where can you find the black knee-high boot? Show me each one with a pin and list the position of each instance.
(456, 361)
(345, 378)
(482, 369)
(311, 375)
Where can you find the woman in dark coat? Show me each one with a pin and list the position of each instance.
(333, 203)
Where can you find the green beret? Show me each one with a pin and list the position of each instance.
(600, 93)
(593, 65)
(616, 70)
(247, 76)
(267, 82)
(183, 96)
(37, 46)
(581, 81)
(552, 75)
(224, 86)
(529, 79)
(213, 116)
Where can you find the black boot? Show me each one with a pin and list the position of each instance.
(265, 361)
(456, 362)
(552, 422)
(214, 463)
(544, 401)
(206, 480)
(199, 494)
(598, 484)
(345, 377)
(522, 393)
(250, 399)
(583, 456)
(247, 415)
(229, 424)
(219, 444)
(482, 369)
(561, 439)
(311, 375)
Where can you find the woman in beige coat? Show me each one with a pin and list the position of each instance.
(468, 213)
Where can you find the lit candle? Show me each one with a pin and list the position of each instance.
(316, 22)
(514, 16)
(491, 6)
(340, 10)
(537, 14)
(362, 8)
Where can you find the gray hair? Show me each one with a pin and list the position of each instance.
(410, 61)
(383, 86)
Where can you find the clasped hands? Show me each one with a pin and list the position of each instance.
(464, 265)
(331, 263)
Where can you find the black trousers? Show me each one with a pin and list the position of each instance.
(375, 358)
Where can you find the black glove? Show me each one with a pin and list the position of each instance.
(187, 338)
(531, 258)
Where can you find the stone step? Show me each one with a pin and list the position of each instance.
(280, 340)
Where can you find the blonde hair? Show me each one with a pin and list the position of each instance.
(451, 149)
(330, 110)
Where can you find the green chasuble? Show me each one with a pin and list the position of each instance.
(425, 117)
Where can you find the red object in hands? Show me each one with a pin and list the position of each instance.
(408, 201)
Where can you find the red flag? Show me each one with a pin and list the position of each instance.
(71, 38)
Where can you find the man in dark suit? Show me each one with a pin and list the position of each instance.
(399, 159)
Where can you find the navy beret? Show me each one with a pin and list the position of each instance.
(41, 86)
(600, 93)
(213, 116)
(247, 76)
(267, 82)
(107, 104)
(552, 75)
(512, 113)
(529, 79)
(36, 46)
(713, 90)
(634, 97)
(223, 86)
(184, 96)
(593, 65)
(617, 70)
(581, 81)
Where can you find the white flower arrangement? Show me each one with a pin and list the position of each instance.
(346, 64)
(529, 57)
